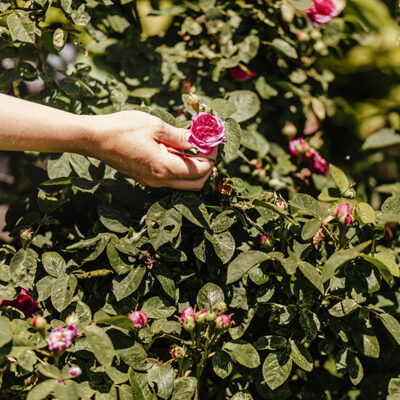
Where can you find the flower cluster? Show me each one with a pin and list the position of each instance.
(300, 148)
(188, 317)
(62, 338)
(207, 131)
(23, 302)
(139, 319)
(322, 12)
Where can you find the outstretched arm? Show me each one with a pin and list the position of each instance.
(132, 142)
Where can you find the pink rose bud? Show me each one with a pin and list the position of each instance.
(200, 316)
(178, 352)
(39, 322)
(267, 240)
(322, 12)
(72, 319)
(241, 75)
(75, 371)
(281, 204)
(319, 164)
(223, 321)
(299, 147)
(23, 302)
(207, 131)
(187, 314)
(344, 214)
(211, 315)
(139, 319)
(26, 234)
(303, 36)
(189, 325)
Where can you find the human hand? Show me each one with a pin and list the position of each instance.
(146, 148)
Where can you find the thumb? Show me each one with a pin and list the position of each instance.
(174, 137)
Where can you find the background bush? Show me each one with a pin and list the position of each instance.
(314, 301)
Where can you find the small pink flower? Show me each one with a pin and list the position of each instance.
(281, 204)
(70, 334)
(139, 319)
(223, 321)
(319, 164)
(62, 338)
(178, 352)
(207, 131)
(344, 214)
(241, 75)
(75, 371)
(301, 146)
(187, 314)
(22, 302)
(322, 12)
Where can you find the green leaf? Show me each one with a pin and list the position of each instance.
(253, 140)
(59, 38)
(393, 389)
(121, 321)
(329, 194)
(356, 371)
(222, 364)
(367, 343)
(62, 291)
(223, 243)
(307, 204)
(276, 369)
(100, 344)
(119, 266)
(247, 103)
(129, 284)
(144, 92)
(42, 390)
(312, 274)
(339, 178)
(67, 390)
(53, 263)
(114, 218)
(23, 268)
(387, 258)
(140, 386)
(264, 89)
(59, 168)
(80, 165)
(222, 222)
(156, 307)
(391, 324)
(302, 4)
(5, 331)
(209, 295)
(284, 47)
(162, 225)
(301, 356)
(343, 308)
(392, 205)
(310, 228)
(233, 138)
(366, 213)
(246, 261)
(383, 268)
(270, 342)
(383, 138)
(184, 388)
(223, 108)
(339, 258)
(21, 27)
(166, 280)
(193, 209)
(243, 353)
(163, 376)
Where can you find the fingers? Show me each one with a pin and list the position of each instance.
(172, 136)
(194, 185)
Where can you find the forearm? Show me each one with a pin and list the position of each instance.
(30, 126)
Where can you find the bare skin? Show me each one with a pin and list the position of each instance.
(135, 143)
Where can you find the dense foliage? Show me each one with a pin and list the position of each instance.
(290, 266)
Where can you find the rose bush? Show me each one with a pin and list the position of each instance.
(278, 280)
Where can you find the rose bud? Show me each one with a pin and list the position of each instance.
(303, 36)
(322, 12)
(267, 240)
(299, 147)
(26, 234)
(344, 214)
(194, 102)
(72, 319)
(210, 316)
(139, 319)
(319, 164)
(39, 322)
(178, 352)
(187, 314)
(281, 204)
(75, 371)
(189, 325)
(221, 307)
(200, 316)
(242, 75)
(223, 321)
(207, 131)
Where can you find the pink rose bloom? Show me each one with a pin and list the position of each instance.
(319, 164)
(301, 146)
(70, 333)
(322, 12)
(56, 339)
(223, 321)
(75, 371)
(206, 132)
(187, 314)
(139, 319)
(22, 302)
(239, 74)
(344, 214)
